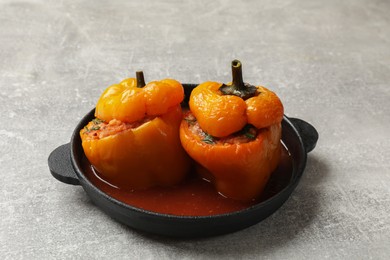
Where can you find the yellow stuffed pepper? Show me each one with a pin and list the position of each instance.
(134, 140)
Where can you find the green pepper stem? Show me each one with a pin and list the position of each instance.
(238, 87)
(140, 79)
(237, 81)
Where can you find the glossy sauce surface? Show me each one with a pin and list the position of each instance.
(193, 197)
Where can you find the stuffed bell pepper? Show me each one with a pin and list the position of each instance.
(134, 140)
(233, 132)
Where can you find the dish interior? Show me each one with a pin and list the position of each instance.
(194, 196)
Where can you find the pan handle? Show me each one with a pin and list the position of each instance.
(307, 132)
(60, 165)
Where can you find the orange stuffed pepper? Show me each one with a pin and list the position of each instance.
(134, 141)
(233, 132)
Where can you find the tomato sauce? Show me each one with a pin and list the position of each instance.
(194, 196)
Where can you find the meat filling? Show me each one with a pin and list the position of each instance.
(98, 129)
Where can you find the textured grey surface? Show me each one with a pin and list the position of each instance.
(329, 61)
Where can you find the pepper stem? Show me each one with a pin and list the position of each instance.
(237, 81)
(238, 87)
(140, 79)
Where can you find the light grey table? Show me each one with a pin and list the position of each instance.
(329, 61)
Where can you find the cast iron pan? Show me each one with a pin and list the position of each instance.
(65, 165)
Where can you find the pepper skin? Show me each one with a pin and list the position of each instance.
(239, 170)
(129, 102)
(221, 115)
(146, 151)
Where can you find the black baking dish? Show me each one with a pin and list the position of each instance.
(65, 165)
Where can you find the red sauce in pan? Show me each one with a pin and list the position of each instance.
(193, 197)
